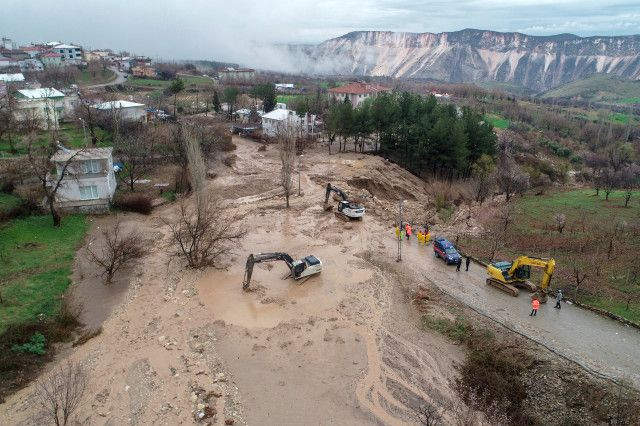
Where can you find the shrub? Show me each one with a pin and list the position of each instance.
(134, 202)
(35, 345)
(493, 371)
(170, 196)
(458, 330)
(229, 160)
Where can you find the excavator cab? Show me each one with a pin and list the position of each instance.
(300, 266)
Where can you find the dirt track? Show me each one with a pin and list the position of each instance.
(344, 347)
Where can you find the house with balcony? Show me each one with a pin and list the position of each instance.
(89, 181)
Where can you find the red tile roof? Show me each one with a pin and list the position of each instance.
(51, 55)
(359, 88)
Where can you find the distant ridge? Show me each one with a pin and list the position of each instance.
(470, 55)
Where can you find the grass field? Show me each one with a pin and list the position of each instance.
(8, 202)
(86, 79)
(71, 137)
(286, 99)
(497, 121)
(590, 226)
(36, 263)
(189, 81)
(597, 88)
(635, 100)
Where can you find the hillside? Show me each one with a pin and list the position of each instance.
(599, 87)
(535, 62)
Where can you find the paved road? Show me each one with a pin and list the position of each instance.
(120, 79)
(595, 342)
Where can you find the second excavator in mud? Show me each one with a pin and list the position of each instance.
(506, 276)
(346, 209)
(303, 268)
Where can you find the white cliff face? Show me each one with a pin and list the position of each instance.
(535, 62)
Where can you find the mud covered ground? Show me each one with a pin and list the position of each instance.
(344, 347)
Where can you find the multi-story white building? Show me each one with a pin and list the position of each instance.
(89, 181)
(68, 52)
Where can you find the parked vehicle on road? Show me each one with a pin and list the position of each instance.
(446, 251)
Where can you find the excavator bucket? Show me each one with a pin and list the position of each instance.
(248, 272)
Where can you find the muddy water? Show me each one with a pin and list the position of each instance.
(273, 298)
(593, 341)
(96, 298)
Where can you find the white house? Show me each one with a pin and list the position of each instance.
(46, 104)
(12, 78)
(285, 87)
(68, 52)
(89, 182)
(130, 111)
(273, 121)
(356, 92)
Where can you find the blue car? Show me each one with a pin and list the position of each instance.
(445, 250)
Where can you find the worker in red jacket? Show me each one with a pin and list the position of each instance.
(535, 305)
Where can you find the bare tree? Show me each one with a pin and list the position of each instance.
(429, 415)
(629, 180)
(7, 117)
(483, 173)
(506, 214)
(579, 275)
(135, 151)
(287, 135)
(203, 232)
(118, 249)
(561, 221)
(510, 178)
(86, 112)
(60, 394)
(609, 181)
(41, 164)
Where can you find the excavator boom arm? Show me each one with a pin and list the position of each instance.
(263, 257)
(337, 190)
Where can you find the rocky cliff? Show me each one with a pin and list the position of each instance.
(536, 62)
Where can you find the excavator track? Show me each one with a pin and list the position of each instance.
(527, 285)
(507, 288)
(342, 216)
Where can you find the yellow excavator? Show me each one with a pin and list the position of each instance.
(506, 276)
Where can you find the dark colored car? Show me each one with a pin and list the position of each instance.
(445, 250)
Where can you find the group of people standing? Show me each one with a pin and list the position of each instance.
(405, 231)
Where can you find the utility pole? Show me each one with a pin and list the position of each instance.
(400, 203)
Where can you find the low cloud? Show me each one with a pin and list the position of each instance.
(246, 31)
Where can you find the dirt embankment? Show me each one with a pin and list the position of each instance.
(343, 347)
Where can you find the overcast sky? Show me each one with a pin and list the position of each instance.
(222, 30)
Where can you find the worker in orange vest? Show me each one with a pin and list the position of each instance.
(408, 230)
(535, 304)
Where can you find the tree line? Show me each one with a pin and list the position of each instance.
(417, 132)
